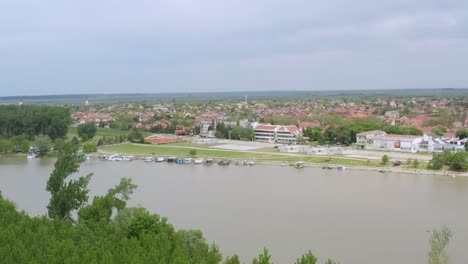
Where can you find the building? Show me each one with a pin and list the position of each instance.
(451, 144)
(276, 134)
(380, 140)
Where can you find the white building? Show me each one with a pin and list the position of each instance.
(379, 140)
(275, 133)
(451, 144)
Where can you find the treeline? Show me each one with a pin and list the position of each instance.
(344, 132)
(32, 120)
(455, 161)
(104, 231)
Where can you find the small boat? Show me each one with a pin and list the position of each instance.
(327, 167)
(342, 168)
(283, 164)
(179, 161)
(114, 158)
(105, 157)
(171, 159)
(31, 154)
(198, 161)
(224, 162)
(128, 158)
(250, 163)
(149, 159)
(299, 165)
(188, 160)
(418, 172)
(209, 161)
(88, 156)
(381, 171)
(161, 159)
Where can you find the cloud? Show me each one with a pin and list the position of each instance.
(115, 46)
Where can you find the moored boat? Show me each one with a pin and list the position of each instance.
(198, 161)
(299, 164)
(149, 159)
(224, 162)
(161, 159)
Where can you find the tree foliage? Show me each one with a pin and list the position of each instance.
(87, 131)
(70, 195)
(438, 241)
(32, 120)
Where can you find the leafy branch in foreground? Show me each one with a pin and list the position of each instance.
(67, 196)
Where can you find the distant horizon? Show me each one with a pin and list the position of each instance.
(228, 92)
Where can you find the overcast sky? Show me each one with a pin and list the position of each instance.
(116, 46)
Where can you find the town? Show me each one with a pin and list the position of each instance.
(403, 124)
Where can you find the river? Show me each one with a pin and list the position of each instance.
(351, 216)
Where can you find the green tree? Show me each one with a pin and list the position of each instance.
(89, 147)
(102, 206)
(67, 196)
(193, 152)
(438, 241)
(43, 143)
(459, 161)
(5, 145)
(307, 258)
(87, 131)
(385, 159)
(263, 258)
(232, 260)
(462, 133)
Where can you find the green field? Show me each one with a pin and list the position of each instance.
(179, 150)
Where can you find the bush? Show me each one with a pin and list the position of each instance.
(89, 147)
(385, 159)
(193, 152)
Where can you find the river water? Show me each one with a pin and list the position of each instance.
(350, 217)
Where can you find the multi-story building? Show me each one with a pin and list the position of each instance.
(277, 134)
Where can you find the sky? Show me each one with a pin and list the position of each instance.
(157, 46)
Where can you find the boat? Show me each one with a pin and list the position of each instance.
(114, 158)
(161, 159)
(128, 158)
(250, 163)
(342, 168)
(418, 172)
(31, 154)
(149, 159)
(283, 164)
(224, 162)
(89, 156)
(198, 161)
(171, 159)
(179, 161)
(299, 165)
(327, 167)
(188, 160)
(381, 171)
(209, 161)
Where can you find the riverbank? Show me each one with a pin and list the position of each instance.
(272, 157)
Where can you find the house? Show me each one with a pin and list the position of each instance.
(276, 133)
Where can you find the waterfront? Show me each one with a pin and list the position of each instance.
(351, 216)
